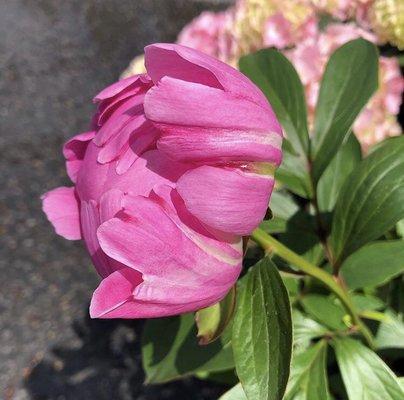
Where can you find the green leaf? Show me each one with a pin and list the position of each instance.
(374, 264)
(325, 309)
(349, 81)
(283, 207)
(301, 237)
(291, 282)
(305, 330)
(400, 228)
(170, 350)
(308, 375)
(391, 332)
(366, 302)
(213, 320)
(365, 375)
(274, 74)
(293, 172)
(235, 393)
(330, 183)
(262, 333)
(371, 199)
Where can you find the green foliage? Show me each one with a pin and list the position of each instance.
(349, 81)
(371, 200)
(305, 330)
(336, 258)
(341, 166)
(325, 309)
(390, 334)
(308, 378)
(283, 207)
(374, 264)
(262, 331)
(275, 75)
(235, 393)
(365, 375)
(213, 320)
(170, 350)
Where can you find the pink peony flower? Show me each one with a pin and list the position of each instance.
(175, 170)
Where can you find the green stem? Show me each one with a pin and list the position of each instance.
(270, 244)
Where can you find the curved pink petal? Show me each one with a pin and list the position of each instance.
(90, 220)
(124, 114)
(61, 207)
(92, 215)
(114, 147)
(107, 107)
(162, 60)
(229, 200)
(74, 151)
(182, 103)
(181, 62)
(137, 145)
(219, 145)
(151, 168)
(119, 86)
(114, 296)
(178, 274)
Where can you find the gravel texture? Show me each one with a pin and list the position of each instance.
(54, 56)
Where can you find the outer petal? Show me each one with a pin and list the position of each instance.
(92, 215)
(150, 169)
(178, 102)
(114, 296)
(178, 274)
(219, 145)
(122, 115)
(200, 123)
(74, 151)
(61, 207)
(229, 200)
(181, 62)
(118, 87)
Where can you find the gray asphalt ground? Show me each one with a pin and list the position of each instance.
(54, 56)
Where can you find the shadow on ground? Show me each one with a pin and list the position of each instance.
(106, 364)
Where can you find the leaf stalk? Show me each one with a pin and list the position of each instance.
(271, 245)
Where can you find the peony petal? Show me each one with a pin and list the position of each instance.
(137, 145)
(224, 247)
(125, 113)
(92, 215)
(114, 147)
(74, 151)
(113, 297)
(181, 62)
(229, 200)
(162, 60)
(61, 207)
(178, 104)
(118, 87)
(151, 168)
(219, 145)
(178, 275)
(111, 203)
(90, 221)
